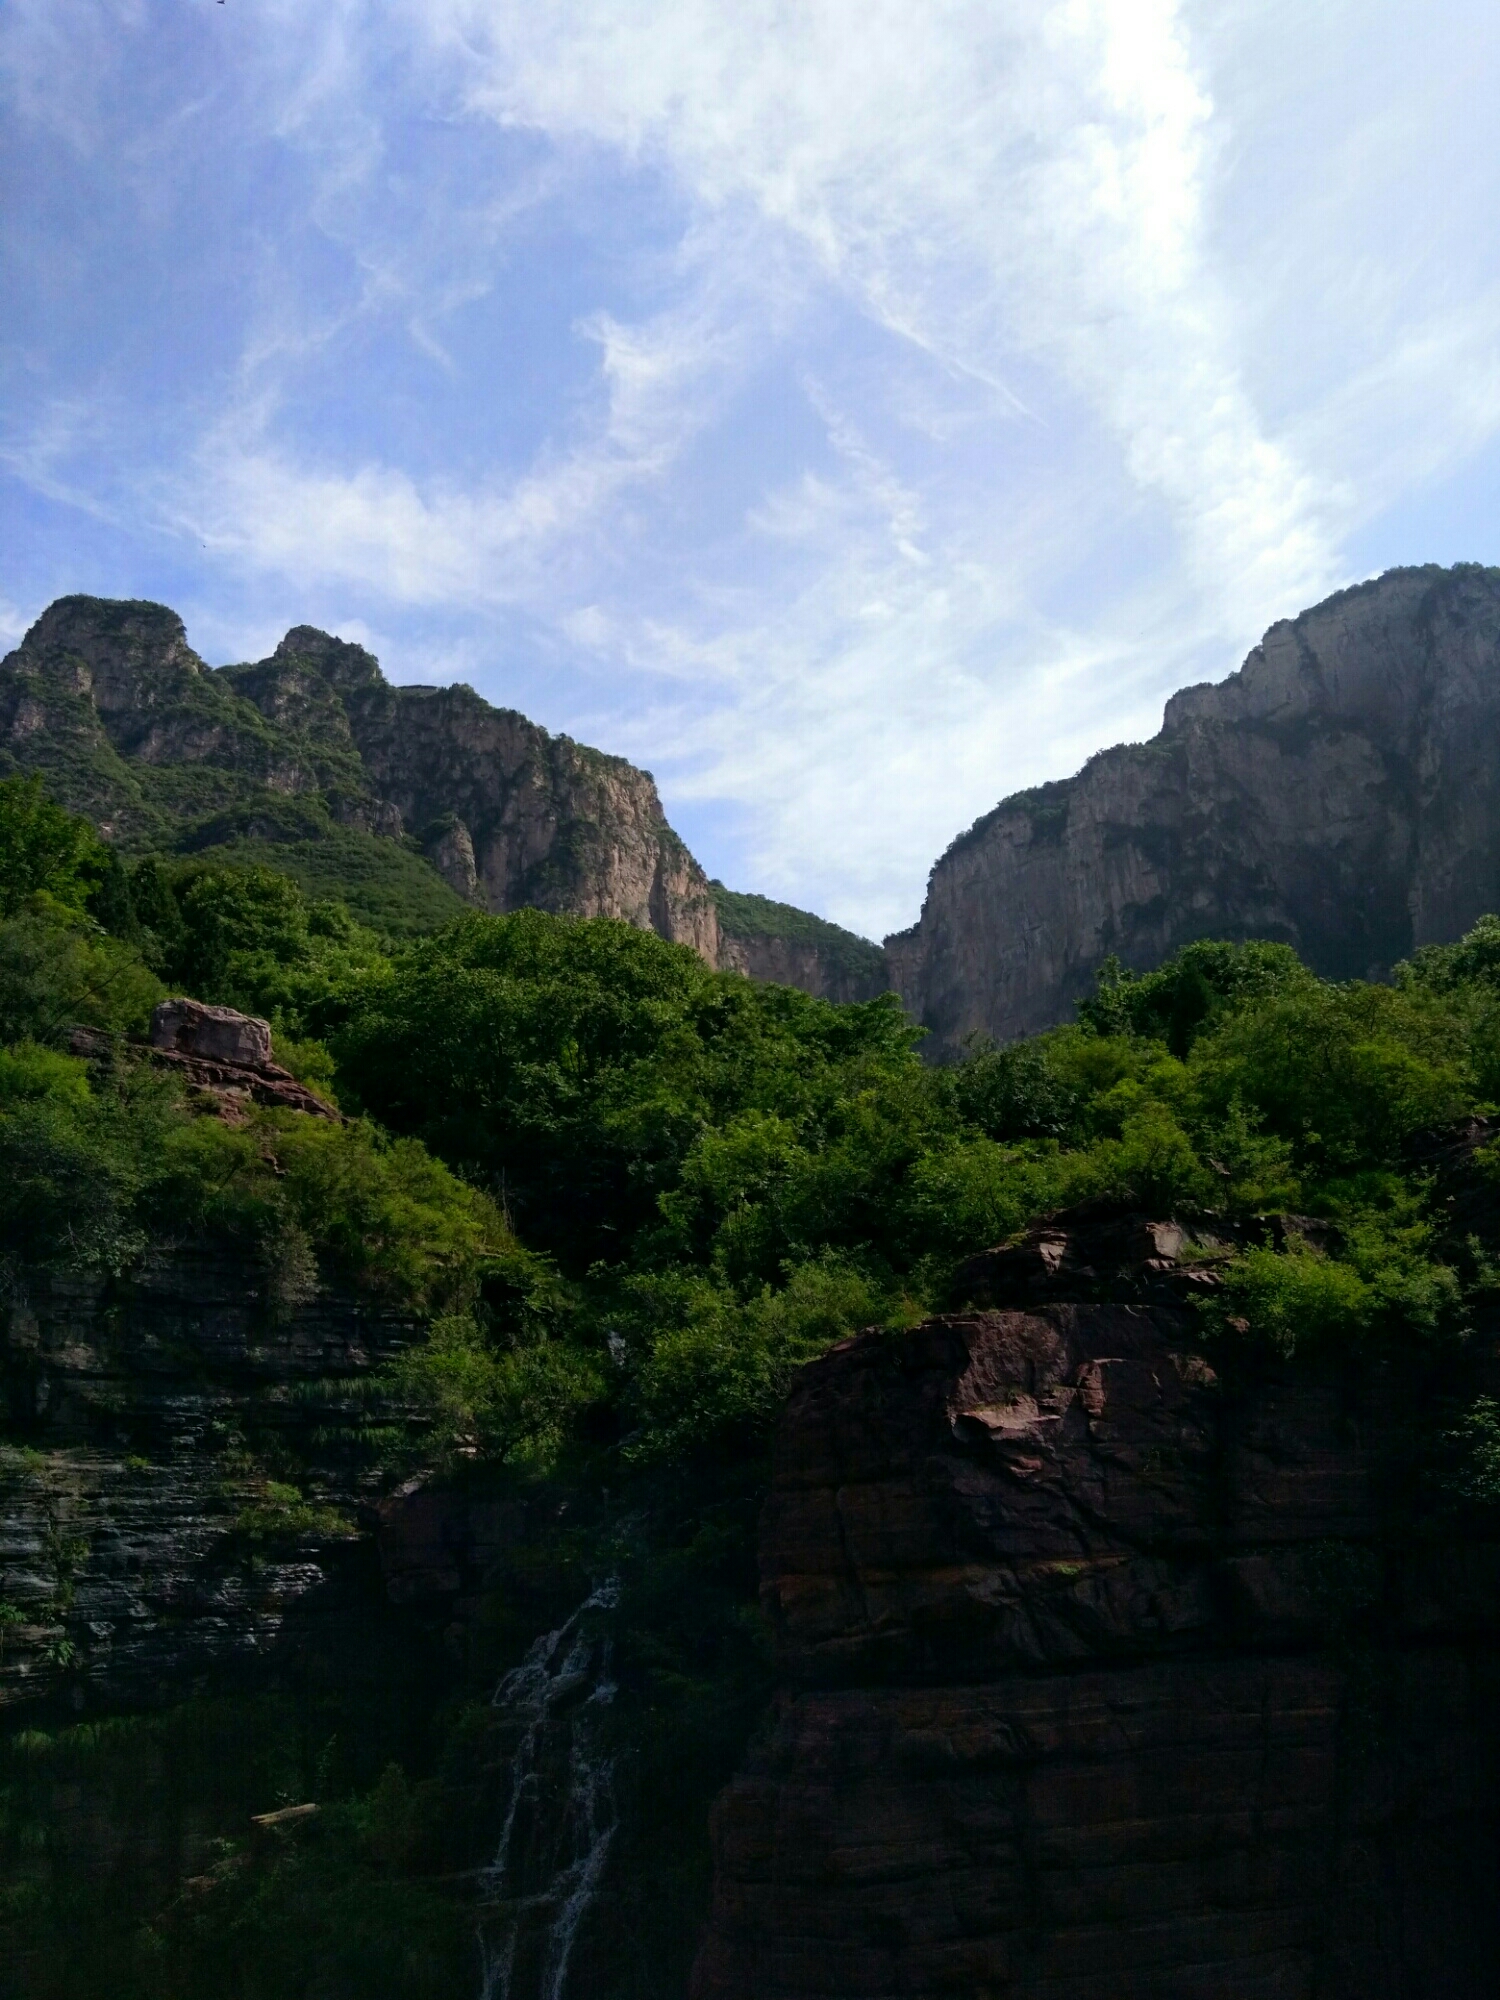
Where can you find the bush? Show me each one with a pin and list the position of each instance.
(715, 1368)
(1344, 1074)
(1295, 1299)
(571, 1066)
(1178, 1001)
(515, 1405)
(1472, 1470)
(89, 1170)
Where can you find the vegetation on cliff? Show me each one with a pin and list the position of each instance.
(710, 1178)
(621, 1198)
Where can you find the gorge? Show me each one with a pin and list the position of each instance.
(535, 1464)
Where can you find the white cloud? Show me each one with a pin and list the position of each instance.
(989, 180)
(14, 624)
(427, 542)
(950, 382)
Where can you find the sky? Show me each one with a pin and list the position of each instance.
(853, 412)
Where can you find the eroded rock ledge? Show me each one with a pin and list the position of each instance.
(1107, 1672)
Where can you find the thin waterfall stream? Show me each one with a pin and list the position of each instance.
(559, 1817)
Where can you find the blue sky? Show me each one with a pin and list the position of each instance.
(852, 411)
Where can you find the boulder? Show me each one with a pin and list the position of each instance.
(216, 1034)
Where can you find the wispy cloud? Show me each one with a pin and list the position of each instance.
(853, 411)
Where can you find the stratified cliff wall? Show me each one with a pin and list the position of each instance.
(143, 1542)
(1107, 1676)
(772, 941)
(1341, 792)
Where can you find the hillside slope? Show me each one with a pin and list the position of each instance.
(1340, 792)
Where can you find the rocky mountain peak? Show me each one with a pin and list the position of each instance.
(341, 663)
(408, 802)
(122, 652)
(1340, 793)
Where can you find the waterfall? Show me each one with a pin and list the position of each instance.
(551, 1850)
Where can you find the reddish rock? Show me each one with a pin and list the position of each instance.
(215, 1050)
(229, 1055)
(1107, 1679)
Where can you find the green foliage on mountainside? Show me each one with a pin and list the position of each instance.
(843, 953)
(624, 1197)
(711, 1179)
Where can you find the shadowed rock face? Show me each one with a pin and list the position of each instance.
(1341, 792)
(122, 1495)
(1105, 1675)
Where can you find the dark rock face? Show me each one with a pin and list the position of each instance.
(146, 1409)
(1340, 792)
(1105, 1677)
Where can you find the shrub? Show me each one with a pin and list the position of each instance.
(58, 970)
(715, 1367)
(1295, 1299)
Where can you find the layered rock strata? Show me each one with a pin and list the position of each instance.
(1340, 792)
(148, 1533)
(773, 941)
(1107, 1677)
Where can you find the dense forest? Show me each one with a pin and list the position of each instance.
(621, 1198)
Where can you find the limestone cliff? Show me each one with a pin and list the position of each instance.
(1109, 1672)
(408, 802)
(1340, 792)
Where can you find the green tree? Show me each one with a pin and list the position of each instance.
(44, 850)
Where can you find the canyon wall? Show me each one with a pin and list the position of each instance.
(789, 947)
(1109, 1672)
(1340, 792)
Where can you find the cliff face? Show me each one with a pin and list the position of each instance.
(1341, 792)
(408, 801)
(149, 1532)
(1105, 1675)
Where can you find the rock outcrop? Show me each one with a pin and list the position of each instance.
(1340, 792)
(217, 1051)
(312, 760)
(142, 1541)
(1110, 1674)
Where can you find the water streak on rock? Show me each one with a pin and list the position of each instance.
(540, 1885)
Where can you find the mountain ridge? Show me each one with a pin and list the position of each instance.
(410, 803)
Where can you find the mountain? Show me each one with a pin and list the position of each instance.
(410, 803)
(1340, 792)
